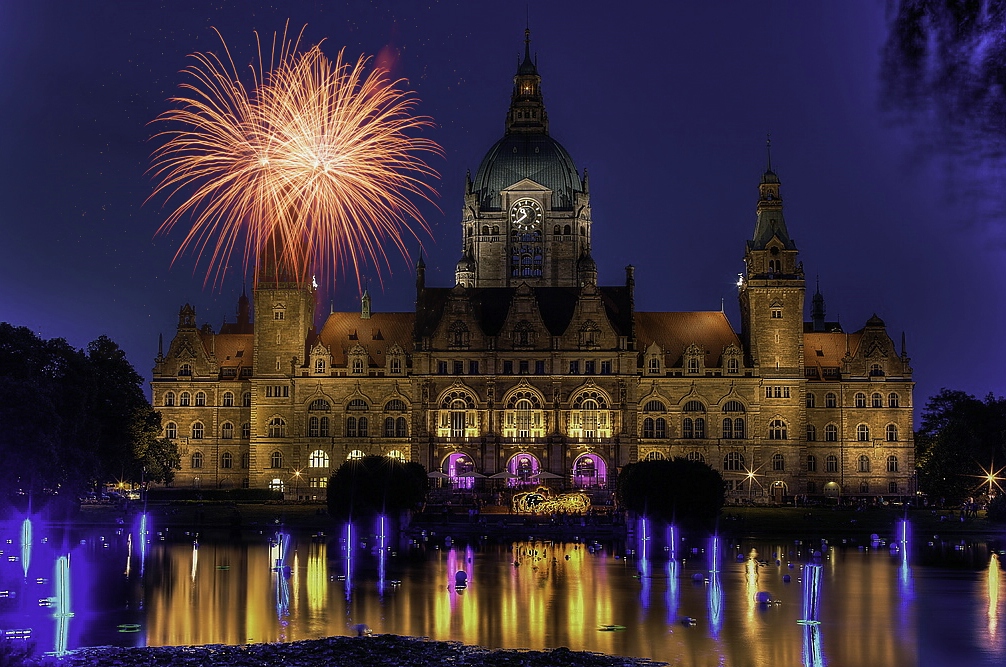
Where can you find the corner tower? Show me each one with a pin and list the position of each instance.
(526, 216)
(772, 289)
(284, 315)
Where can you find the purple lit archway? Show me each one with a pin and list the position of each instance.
(523, 465)
(455, 466)
(589, 470)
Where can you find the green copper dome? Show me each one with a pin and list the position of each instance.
(535, 156)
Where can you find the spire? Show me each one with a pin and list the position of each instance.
(904, 348)
(817, 310)
(365, 305)
(243, 310)
(420, 271)
(527, 106)
(770, 221)
(768, 151)
(160, 344)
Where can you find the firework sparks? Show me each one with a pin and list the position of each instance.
(311, 167)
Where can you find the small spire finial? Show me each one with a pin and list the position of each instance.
(768, 149)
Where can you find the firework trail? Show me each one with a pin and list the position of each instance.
(310, 168)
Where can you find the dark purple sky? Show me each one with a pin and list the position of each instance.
(667, 106)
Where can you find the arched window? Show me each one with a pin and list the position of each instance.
(860, 400)
(811, 399)
(864, 463)
(389, 427)
(357, 404)
(777, 430)
(355, 455)
(351, 427)
(184, 399)
(892, 463)
(694, 406)
(245, 460)
(892, 487)
(877, 400)
(276, 460)
(696, 456)
(567, 230)
(197, 431)
(831, 463)
(228, 400)
(892, 433)
(660, 428)
(169, 399)
(324, 430)
(738, 428)
(197, 460)
(648, 427)
(728, 428)
(734, 461)
(401, 428)
(687, 428)
(357, 366)
(831, 433)
(227, 460)
(277, 427)
(892, 400)
(395, 405)
(319, 365)
(654, 456)
(864, 487)
(397, 455)
(863, 433)
(654, 406)
(246, 399)
(700, 427)
(185, 370)
(811, 433)
(227, 431)
(653, 365)
(693, 365)
(246, 431)
(318, 459)
(733, 366)
(778, 462)
(171, 430)
(811, 463)
(361, 427)
(200, 399)
(733, 406)
(830, 400)
(320, 405)
(313, 427)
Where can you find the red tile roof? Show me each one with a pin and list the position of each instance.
(674, 332)
(342, 331)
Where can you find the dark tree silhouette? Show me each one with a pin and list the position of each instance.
(678, 490)
(376, 485)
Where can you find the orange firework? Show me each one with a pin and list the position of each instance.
(315, 162)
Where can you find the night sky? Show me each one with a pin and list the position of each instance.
(895, 208)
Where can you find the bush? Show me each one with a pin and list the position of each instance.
(376, 485)
(997, 509)
(678, 490)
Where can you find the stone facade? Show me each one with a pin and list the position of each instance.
(530, 370)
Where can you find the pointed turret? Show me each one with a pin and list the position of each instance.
(527, 106)
(770, 221)
(420, 272)
(586, 269)
(244, 309)
(817, 310)
(365, 305)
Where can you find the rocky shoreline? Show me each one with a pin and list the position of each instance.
(383, 650)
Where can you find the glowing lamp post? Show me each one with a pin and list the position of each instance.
(296, 486)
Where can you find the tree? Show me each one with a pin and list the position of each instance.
(962, 439)
(376, 485)
(678, 490)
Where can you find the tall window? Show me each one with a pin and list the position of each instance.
(313, 427)
(728, 428)
(169, 399)
(831, 433)
(350, 427)
(811, 433)
(401, 428)
(830, 400)
(693, 365)
(197, 460)
(228, 400)
(738, 428)
(361, 427)
(648, 427)
(860, 400)
(227, 460)
(811, 463)
(831, 463)
(863, 433)
(892, 463)
(319, 365)
(660, 428)
(733, 366)
(276, 460)
(733, 461)
(389, 427)
(277, 427)
(777, 430)
(245, 460)
(877, 401)
(198, 431)
(653, 365)
(811, 400)
(892, 400)
(892, 433)
(318, 459)
(696, 456)
(200, 399)
(323, 430)
(171, 430)
(778, 462)
(246, 399)
(184, 399)
(864, 463)
(687, 428)
(246, 430)
(227, 431)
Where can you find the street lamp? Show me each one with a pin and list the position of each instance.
(296, 476)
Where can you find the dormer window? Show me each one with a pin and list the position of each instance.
(357, 366)
(653, 365)
(319, 366)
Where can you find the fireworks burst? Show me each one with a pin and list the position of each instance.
(311, 168)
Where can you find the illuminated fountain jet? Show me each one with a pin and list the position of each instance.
(26, 539)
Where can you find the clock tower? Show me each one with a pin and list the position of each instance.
(526, 216)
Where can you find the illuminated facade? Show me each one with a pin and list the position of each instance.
(530, 370)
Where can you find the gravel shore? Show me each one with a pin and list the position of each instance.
(383, 650)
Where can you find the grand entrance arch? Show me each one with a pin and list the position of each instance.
(456, 466)
(590, 471)
(524, 466)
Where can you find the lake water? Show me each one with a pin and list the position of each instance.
(923, 603)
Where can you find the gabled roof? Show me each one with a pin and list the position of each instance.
(343, 331)
(232, 350)
(826, 350)
(674, 332)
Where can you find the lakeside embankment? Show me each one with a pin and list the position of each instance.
(383, 650)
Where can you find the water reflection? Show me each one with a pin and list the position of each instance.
(993, 584)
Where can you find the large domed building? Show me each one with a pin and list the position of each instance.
(531, 370)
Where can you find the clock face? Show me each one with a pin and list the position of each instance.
(525, 215)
